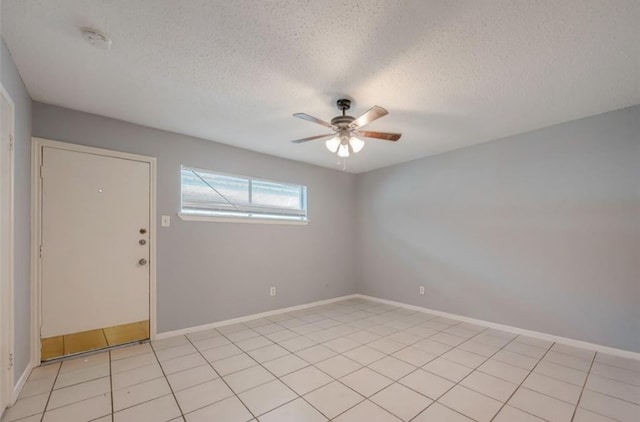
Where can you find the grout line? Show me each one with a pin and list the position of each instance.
(463, 378)
(104, 336)
(80, 401)
(413, 371)
(443, 330)
(124, 408)
(359, 364)
(405, 346)
(133, 369)
(584, 385)
(636, 371)
(614, 379)
(80, 382)
(520, 385)
(609, 395)
(111, 388)
(310, 364)
(219, 376)
(167, 381)
(51, 392)
(298, 396)
(560, 379)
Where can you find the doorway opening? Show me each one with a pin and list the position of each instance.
(95, 249)
(7, 136)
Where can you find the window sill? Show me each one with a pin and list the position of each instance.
(250, 220)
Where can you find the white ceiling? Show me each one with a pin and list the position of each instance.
(451, 73)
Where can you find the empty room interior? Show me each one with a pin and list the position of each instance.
(292, 211)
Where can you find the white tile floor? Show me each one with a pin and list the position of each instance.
(350, 361)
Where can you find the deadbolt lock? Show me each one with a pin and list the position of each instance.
(142, 242)
(143, 231)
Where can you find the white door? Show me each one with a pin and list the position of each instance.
(95, 241)
(6, 247)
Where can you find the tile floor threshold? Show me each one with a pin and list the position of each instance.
(81, 355)
(73, 344)
(354, 360)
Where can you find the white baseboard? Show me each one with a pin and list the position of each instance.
(17, 389)
(515, 330)
(217, 324)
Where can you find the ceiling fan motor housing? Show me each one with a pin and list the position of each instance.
(342, 122)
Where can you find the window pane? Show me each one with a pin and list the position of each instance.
(201, 191)
(276, 195)
(208, 193)
(234, 189)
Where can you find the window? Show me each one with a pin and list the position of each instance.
(208, 194)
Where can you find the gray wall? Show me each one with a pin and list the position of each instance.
(539, 231)
(12, 82)
(208, 272)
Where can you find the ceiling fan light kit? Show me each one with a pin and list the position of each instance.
(346, 139)
(344, 145)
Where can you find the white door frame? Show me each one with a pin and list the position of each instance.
(7, 286)
(36, 229)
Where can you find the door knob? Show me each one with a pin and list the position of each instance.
(142, 262)
(142, 242)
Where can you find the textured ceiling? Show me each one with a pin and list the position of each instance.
(451, 73)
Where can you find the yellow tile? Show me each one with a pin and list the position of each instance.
(127, 333)
(84, 341)
(51, 347)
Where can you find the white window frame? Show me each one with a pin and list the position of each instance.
(248, 218)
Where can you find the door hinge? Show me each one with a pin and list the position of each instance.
(10, 360)
(40, 251)
(42, 172)
(11, 142)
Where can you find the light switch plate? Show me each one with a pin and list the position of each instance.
(166, 221)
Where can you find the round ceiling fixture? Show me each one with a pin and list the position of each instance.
(96, 38)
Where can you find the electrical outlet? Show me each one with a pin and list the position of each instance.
(272, 291)
(422, 290)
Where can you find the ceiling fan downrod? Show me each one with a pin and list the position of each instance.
(344, 105)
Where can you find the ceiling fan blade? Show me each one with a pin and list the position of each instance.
(379, 135)
(305, 116)
(313, 138)
(374, 113)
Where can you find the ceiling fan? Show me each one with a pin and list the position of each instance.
(347, 130)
